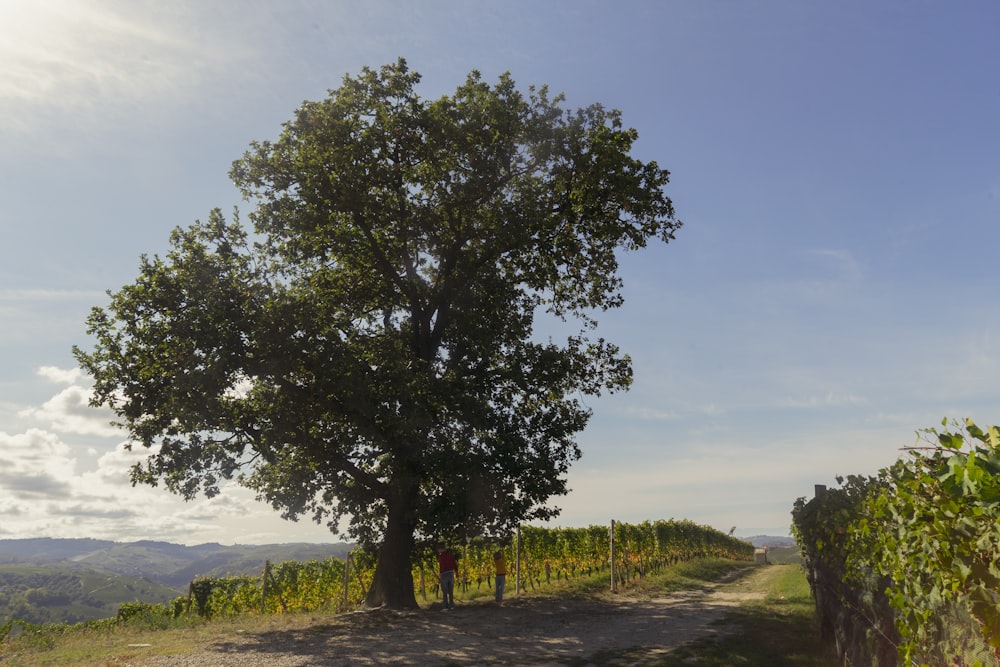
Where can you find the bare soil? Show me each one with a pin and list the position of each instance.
(538, 631)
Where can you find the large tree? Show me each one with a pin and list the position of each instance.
(367, 355)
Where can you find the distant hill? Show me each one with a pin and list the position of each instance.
(170, 564)
(54, 593)
(45, 580)
(770, 541)
(48, 549)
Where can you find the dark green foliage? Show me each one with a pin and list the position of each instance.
(370, 353)
(852, 606)
(150, 615)
(932, 529)
(916, 550)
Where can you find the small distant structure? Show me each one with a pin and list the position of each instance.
(760, 555)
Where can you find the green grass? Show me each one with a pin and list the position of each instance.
(113, 644)
(779, 630)
(784, 555)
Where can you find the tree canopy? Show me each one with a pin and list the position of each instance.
(366, 354)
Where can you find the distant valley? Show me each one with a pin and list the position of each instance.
(50, 580)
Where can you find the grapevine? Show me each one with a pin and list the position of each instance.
(545, 554)
(928, 528)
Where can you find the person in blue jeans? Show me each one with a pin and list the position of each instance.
(447, 569)
(501, 574)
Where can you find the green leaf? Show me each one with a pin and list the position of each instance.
(951, 441)
(371, 354)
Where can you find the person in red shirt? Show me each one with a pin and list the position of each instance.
(447, 568)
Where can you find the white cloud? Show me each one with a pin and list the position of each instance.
(113, 466)
(91, 510)
(34, 448)
(34, 464)
(42, 493)
(69, 411)
(225, 506)
(241, 387)
(52, 487)
(60, 375)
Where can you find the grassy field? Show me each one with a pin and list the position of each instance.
(773, 626)
(784, 555)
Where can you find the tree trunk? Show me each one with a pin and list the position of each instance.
(392, 583)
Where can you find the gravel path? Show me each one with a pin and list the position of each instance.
(529, 631)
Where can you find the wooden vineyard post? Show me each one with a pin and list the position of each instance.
(517, 562)
(263, 586)
(347, 576)
(614, 583)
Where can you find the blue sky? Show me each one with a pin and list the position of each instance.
(836, 165)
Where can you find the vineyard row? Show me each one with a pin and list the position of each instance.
(537, 555)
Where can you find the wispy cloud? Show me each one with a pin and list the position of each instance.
(678, 410)
(830, 399)
(31, 295)
(652, 414)
(96, 60)
(842, 264)
(91, 511)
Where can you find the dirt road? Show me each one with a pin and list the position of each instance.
(534, 631)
